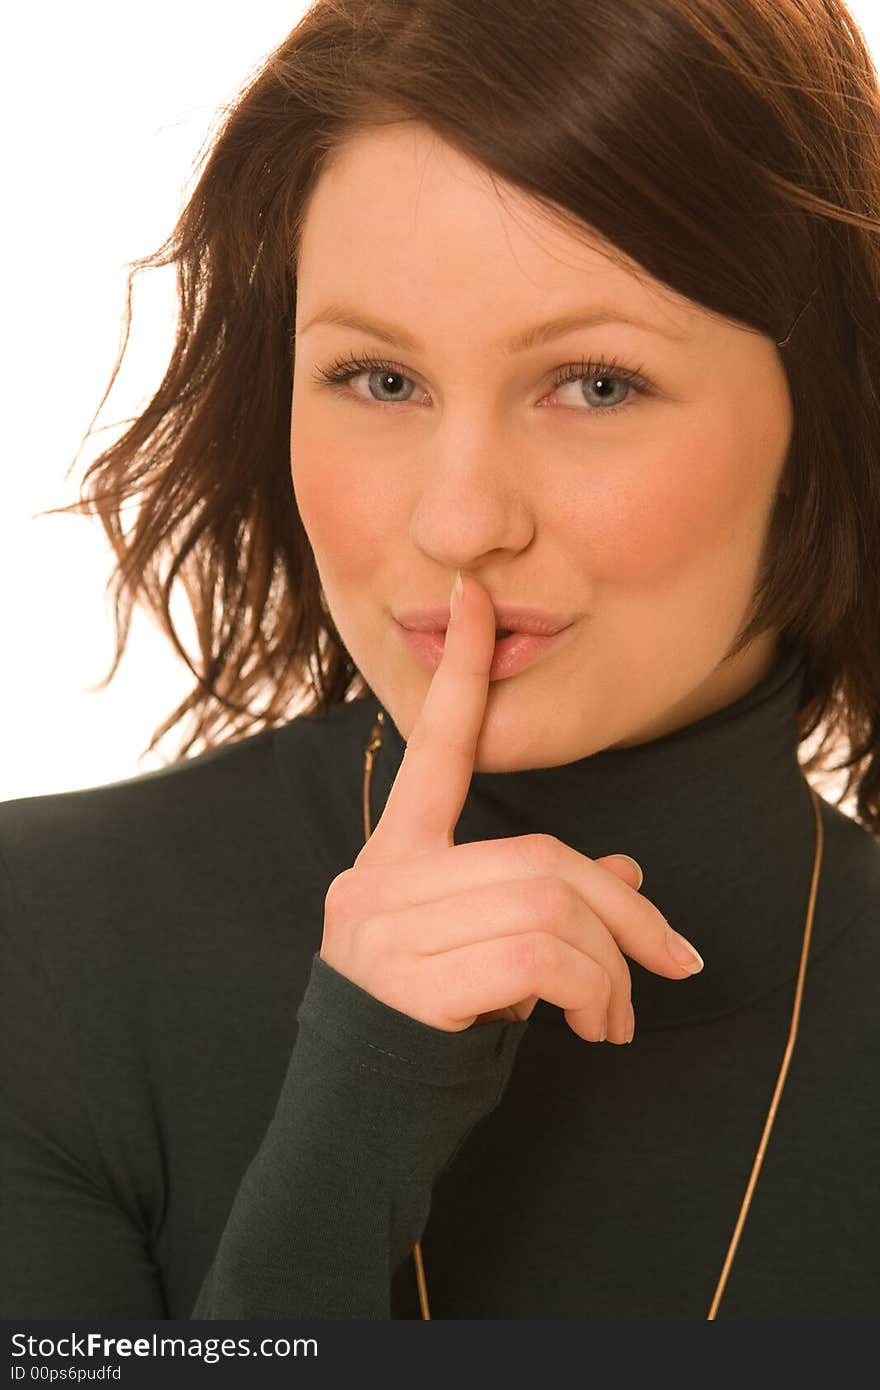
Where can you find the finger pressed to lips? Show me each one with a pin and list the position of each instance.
(532, 904)
(431, 787)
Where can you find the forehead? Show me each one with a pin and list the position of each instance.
(397, 211)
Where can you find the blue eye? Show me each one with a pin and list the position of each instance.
(345, 369)
(599, 375)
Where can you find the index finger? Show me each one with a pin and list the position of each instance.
(431, 786)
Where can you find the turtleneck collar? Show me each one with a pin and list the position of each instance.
(719, 816)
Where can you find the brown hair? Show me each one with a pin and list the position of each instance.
(729, 147)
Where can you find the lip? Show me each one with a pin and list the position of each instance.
(512, 654)
(518, 617)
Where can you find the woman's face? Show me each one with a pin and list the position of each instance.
(640, 513)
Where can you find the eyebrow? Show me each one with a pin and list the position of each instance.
(345, 317)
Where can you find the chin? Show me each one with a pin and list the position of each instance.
(521, 739)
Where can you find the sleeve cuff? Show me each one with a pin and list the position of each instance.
(389, 1041)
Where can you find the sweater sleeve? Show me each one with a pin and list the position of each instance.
(373, 1106)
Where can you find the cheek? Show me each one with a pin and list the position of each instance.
(689, 506)
(340, 502)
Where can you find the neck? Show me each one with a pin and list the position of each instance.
(728, 682)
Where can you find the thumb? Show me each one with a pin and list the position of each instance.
(623, 866)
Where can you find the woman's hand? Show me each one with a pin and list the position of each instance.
(457, 934)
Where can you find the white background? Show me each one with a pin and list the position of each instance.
(107, 106)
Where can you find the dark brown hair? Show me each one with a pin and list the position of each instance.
(729, 147)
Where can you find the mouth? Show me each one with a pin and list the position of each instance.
(514, 651)
(516, 618)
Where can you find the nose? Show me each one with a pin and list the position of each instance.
(472, 504)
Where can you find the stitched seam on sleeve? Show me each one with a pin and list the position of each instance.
(361, 1064)
(385, 1053)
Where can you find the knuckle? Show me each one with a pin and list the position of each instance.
(338, 899)
(531, 954)
(551, 898)
(361, 947)
(604, 986)
(339, 886)
(332, 920)
(624, 977)
(537, 851)
(346, 911)
(597, 985)
(354, 893)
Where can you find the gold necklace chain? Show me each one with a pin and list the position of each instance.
(370, 751)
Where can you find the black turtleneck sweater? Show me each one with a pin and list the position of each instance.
(201, 1119)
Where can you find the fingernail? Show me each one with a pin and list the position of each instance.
(631, 1025)
(637, 867)
(682, 952)
(455, 597)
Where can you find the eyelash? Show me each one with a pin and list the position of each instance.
(340, 372)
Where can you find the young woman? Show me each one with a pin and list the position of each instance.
(578, 304)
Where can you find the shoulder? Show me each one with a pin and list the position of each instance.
(233, 827)
(56, 829)
(845, 948)
(99, 874)
(851, 863)
(233, 779)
